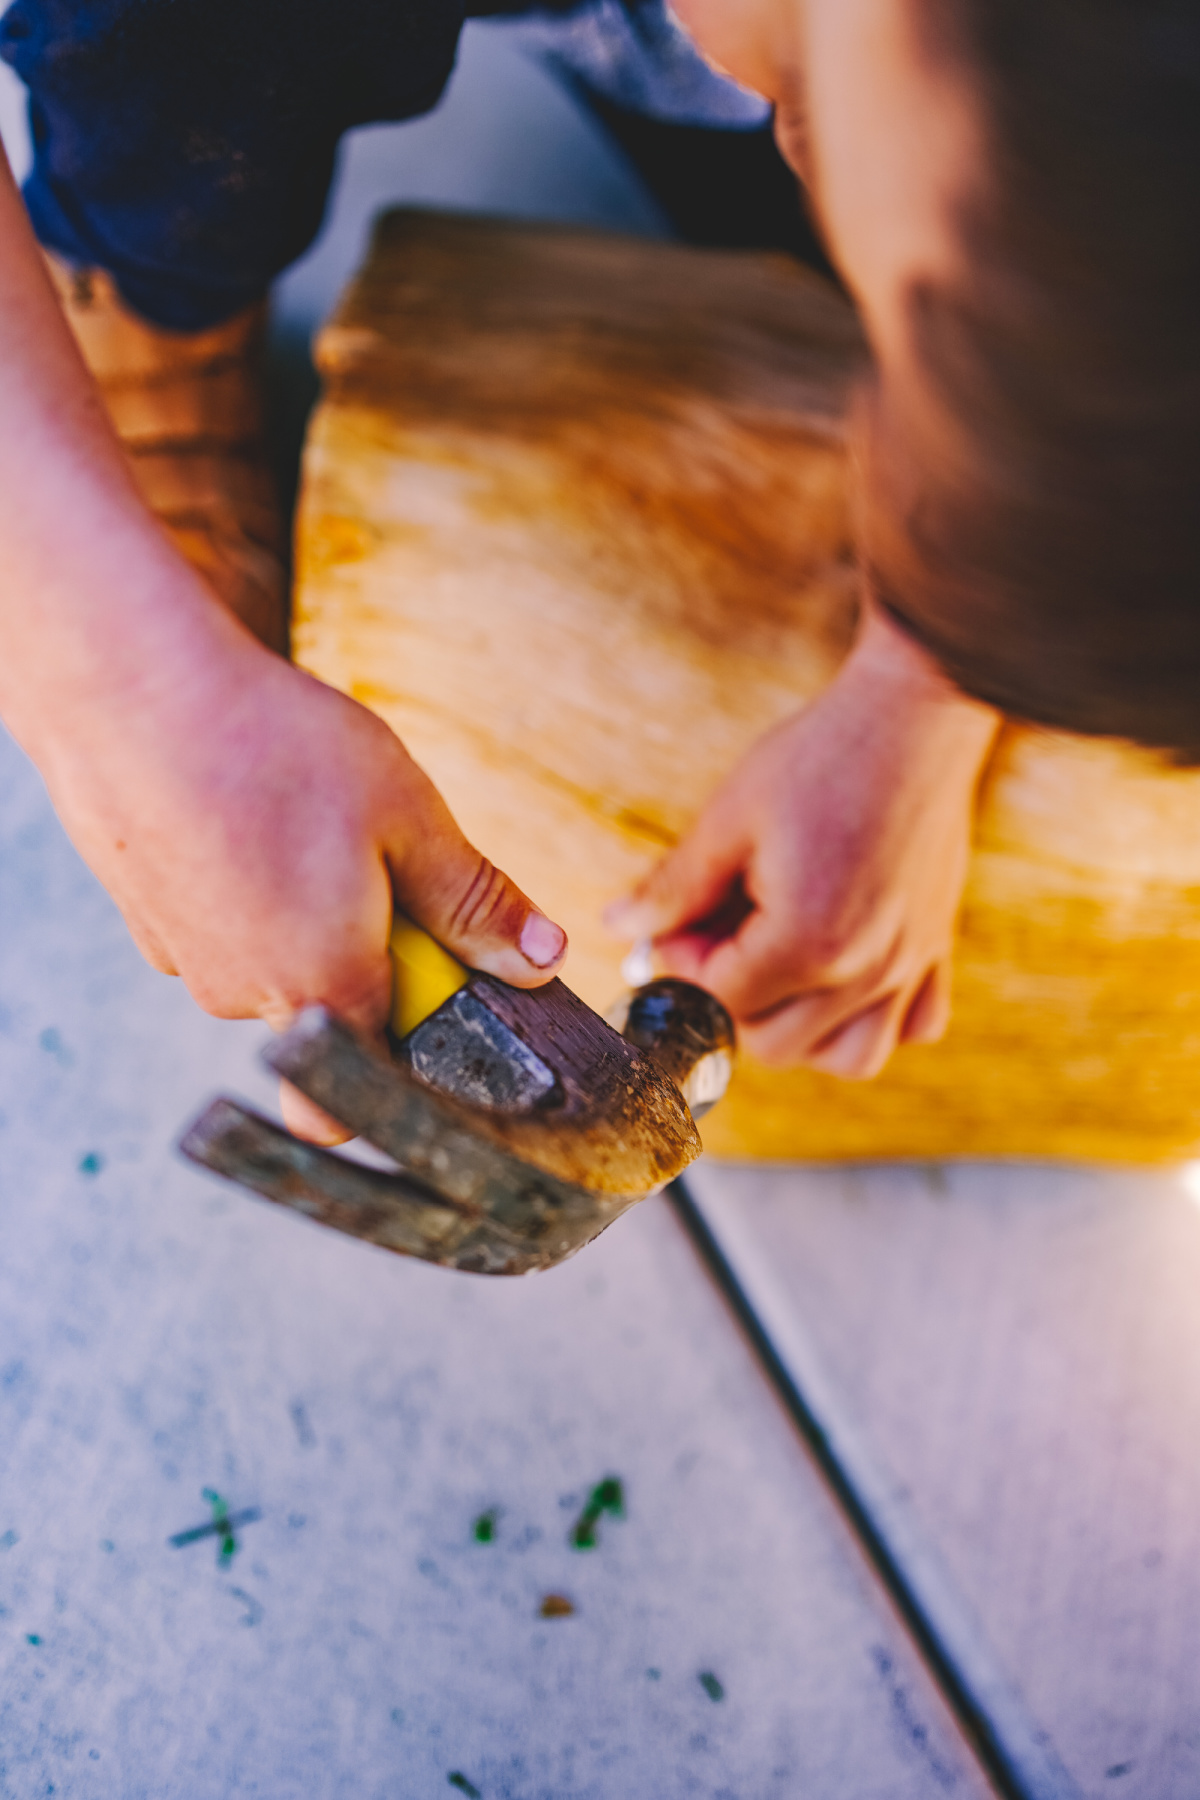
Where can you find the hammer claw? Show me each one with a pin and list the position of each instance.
(483, 1159)
(395, 1211)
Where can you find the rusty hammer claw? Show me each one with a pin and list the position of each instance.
(519, 1122)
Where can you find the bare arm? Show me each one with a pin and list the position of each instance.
(92, 590)
(253, 825)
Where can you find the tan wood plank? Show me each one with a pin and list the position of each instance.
(575, 521)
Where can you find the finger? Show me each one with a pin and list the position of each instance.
(684, 955)
(762, 966)
(443, 883)
(929, 1014)
(793, 1031)
(361, 996)
(747, 970)
(302, 1116)
(688, 886)
(151, 946)
(859, 1050)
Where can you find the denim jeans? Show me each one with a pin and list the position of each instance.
(187, 146)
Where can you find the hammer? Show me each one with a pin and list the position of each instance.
(519, 1122)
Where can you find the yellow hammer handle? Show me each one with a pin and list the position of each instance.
(423, 975)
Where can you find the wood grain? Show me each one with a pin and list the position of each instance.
(575, 522)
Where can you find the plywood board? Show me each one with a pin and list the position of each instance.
(575, 522)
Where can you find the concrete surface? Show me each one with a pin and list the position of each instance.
(161, 1334)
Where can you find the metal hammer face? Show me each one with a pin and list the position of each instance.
(520, 1122)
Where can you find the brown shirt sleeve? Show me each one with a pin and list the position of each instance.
(1031, 515)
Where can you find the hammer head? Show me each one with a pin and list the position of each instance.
(520, 1123)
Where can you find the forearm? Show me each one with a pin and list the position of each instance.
(96, 605)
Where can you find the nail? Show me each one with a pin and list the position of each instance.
(542, 941)
(638, 967)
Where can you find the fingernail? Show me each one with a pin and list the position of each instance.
(542, 941)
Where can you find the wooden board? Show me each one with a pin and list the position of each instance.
(1020, 1350)
(575, 521)
(161, 1333)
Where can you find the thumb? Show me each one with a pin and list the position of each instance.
(687, 886)
(470, 906)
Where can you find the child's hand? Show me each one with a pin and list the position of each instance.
(817, 894)
(256, 828)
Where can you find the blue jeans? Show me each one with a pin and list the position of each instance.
(187, 146)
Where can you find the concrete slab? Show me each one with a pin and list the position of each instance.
(1018, 1349)
(160, 1335)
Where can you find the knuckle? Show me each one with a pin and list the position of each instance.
(357, 985)
(778, 1043)
(872, 960)
(850, 1066)
(217, 1002)
(773, 1051)
(827, 954)
(490, 906)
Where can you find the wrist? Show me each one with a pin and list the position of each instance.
(897, 718)
(890, 665)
